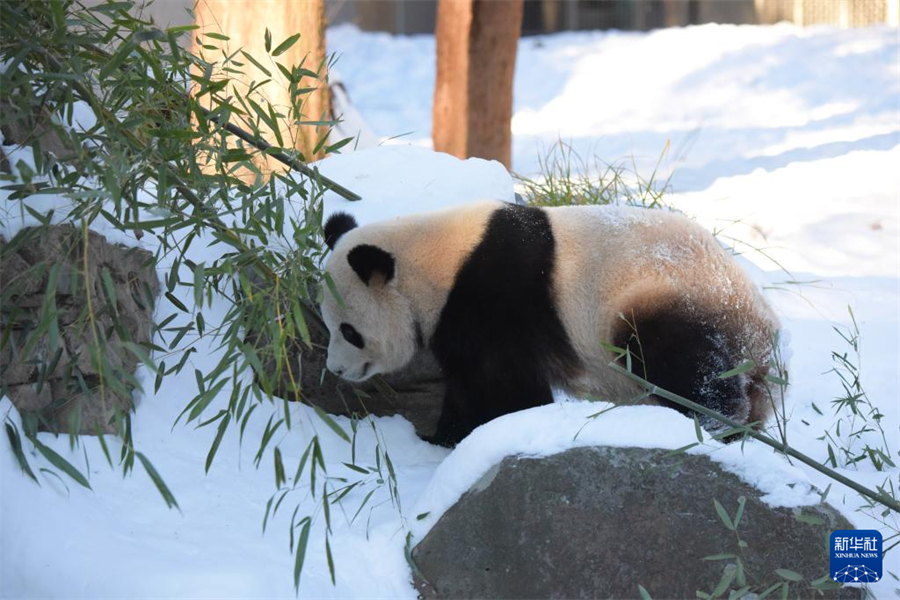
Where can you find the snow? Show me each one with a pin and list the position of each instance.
(548, 430)
(782, 137)
(14, 217)
(398, 180)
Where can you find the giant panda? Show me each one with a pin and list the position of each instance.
(515, 301)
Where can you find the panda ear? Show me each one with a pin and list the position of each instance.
(337, 225)
(369, 260)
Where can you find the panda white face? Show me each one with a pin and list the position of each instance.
(372, 325)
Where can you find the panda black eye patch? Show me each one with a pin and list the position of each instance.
(352, 335)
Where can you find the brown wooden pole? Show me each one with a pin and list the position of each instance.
(245, 23)
(476, 60)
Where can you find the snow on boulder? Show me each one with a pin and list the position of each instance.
(550, 502)
(597, 522)
(399, 180)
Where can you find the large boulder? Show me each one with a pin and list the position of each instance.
(596, 522)
(57, 379)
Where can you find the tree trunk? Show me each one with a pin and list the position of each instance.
(245, 23)
(476, 60)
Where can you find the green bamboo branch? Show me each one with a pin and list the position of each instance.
(309, 313)
(259, 143)
(212, 219)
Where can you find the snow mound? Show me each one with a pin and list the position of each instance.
(399, 180)
(555, 428)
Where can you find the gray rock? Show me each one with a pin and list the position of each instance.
(21, 124)
(416, 393)
(61, 385)
(596, 522)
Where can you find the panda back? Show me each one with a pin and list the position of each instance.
(502, 308)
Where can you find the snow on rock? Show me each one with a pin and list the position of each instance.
(398, 180)
(548, 430)
(14, 217)
(596, 522)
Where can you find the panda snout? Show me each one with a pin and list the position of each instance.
(336, 369)
(351, 374)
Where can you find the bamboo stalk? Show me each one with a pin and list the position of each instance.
(880, 498)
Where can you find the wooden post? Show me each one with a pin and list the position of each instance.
(245, 23)
(476, 59)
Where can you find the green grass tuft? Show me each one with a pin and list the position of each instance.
(568, 179)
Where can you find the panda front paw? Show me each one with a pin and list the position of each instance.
(440, 440)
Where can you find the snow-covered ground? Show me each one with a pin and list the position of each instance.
(785, 138)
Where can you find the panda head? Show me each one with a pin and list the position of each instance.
(370, 321)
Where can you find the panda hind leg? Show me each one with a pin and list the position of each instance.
(683, 354)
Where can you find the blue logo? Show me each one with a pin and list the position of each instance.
(856, 556)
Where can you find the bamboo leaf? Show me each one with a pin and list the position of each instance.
(331, 423)
(158, 481)
(329, 283)
(60, 463)
(723, 515)
(742, 502)
(337, 146)
(285, 45)
(697, 430)
(12, 432)
(330, 559)
(745, 366)
(257, 64)
(109, 289)
(205, 399)
(142, 355)
(356, 468)
(220, 433)
(178, 303)
(279, 468)
(302, 463)
(768, 591)
(789, 575)
(301, 553)
(724, 582)
(362, 505)
(199, 284)
(810, 519)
